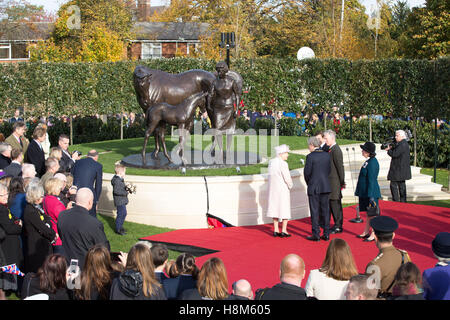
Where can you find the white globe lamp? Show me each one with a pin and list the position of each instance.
(305, 53)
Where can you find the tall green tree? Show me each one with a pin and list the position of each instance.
(428, 32)
(88, 30)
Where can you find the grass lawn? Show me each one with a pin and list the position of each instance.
(115, 150)
(441, 175)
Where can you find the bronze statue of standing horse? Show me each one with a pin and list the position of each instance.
(156, 86)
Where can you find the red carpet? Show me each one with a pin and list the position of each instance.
(252, 253)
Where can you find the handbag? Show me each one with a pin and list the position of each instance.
(373, 210)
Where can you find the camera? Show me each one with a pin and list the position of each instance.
(388, 143)
(391, 142)
(78, 152)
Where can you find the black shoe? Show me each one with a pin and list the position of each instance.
(336, 230)
(285, 235)
(325, 238)
(120, 232)
(123, 231)
(276, 234)
(312, 238)
(364, 236)
(369, 240)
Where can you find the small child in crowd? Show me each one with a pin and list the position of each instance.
(120, 195)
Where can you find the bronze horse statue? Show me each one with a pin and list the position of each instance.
(156, 86)
(181, 115)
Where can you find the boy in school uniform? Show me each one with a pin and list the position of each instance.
(120, 195)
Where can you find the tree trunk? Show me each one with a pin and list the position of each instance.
(121, 125)
(415, 140)
(71, 130)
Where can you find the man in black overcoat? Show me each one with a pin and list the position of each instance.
(316, 172)
(400, 168)
(337, 180)
(79, 231)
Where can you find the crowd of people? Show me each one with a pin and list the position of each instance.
(49, 230)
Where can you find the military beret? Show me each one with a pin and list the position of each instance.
(441, 245)
(383, 224)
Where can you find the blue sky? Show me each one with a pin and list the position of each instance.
(53, 5)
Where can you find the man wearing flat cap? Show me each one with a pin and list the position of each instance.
(389, 259)
(436, 281)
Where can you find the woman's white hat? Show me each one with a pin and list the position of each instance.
(282, 149)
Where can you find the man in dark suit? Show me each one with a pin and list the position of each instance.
(316, 173)
(78, 230)
(337, 180)
(15, 168)
(400, 168)
(323, 144)
(292, 272)
(88, 173)
(35, 153)
(67, 160)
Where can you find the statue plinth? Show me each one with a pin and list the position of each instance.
(195, 159)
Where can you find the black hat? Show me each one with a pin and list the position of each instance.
(441, 245)
(369, 147)
(383, 224)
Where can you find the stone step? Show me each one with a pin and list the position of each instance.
(385, 189)
(415, 171)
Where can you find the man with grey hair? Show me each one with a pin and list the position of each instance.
(360, 288)
(337, 180)
(52, 165)
(316, 172)
(79, 231)
(400, 168)
(28, 170)
(5, 155)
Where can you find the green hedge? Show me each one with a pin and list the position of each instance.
(363, 87)
(416, 88)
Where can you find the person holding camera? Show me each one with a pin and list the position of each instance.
(400, 169)
(67, 160)
(120, 195)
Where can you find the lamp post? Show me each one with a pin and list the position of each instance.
(227, 40)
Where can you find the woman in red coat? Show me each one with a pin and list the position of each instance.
(53, 206)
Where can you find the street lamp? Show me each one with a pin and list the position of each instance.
(227, 41)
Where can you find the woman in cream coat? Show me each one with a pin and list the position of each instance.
(330, 281)
(280, 183)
